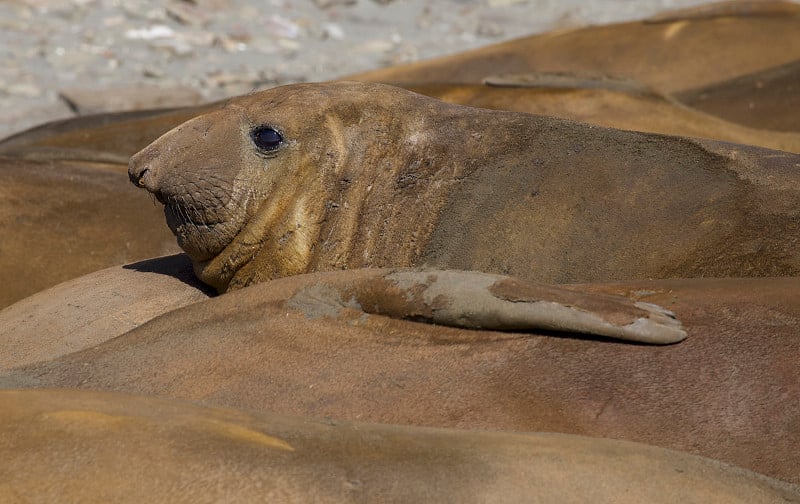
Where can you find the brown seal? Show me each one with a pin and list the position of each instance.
(679, 51)
(92, 309)
(62, 446)
(359, 345)
(768, 99)
(55, 164)
(114, 136)
(62, 218)
(343, 175)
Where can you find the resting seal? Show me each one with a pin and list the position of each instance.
(767, 99)
(663, 53)
(66, 446)
(316, 177)
(62, 218)
(100, 306)
(316, 345)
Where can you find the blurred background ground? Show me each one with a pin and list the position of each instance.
(59, 58)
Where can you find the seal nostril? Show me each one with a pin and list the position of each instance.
(140, 167)
(138, 177)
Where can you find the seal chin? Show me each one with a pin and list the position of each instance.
(201, 239)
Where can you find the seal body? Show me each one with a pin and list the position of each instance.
(670, 53)
(313, 345)
(765, 99)
(100, 306)
(367, 175)
(66, 446)
(94, 308)
(114, 136)
(62, 218)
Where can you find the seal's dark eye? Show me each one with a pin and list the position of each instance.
(266, 138)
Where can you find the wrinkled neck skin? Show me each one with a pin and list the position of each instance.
(276, 237)
(369, 198)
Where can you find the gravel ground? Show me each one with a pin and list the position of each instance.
(58, 58)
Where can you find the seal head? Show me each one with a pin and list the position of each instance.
(255, 190)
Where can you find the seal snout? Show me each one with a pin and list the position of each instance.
(137, 176)
(142, 169)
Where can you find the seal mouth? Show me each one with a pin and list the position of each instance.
(200, 238)
(182, 210)
(202, 232)
(179, 214)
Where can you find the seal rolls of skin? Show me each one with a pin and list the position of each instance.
(316, 177)
(101, 306)
(64, 446)
(341, 345)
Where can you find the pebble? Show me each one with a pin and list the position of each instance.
(333, 30)
(150, 33)
(324, 4)
(505, 3)
(279, 26)
(22, 89)
(187, 13)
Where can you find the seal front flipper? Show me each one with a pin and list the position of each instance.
(474, 300)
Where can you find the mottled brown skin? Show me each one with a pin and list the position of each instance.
(374, 176)
(768, 99)
(684, 51)
(64, 218)
(97, 447)
(108, 139)
(730, 391)
(86, 311)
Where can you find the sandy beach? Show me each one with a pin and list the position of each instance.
(59, 59)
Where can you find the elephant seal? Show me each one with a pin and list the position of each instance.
(92, 447)
(359, 345)
(115, 135)
(314, 177)
(62, 218)
(662, 54)
(767, 99)
(95, 308)
(88, 310)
